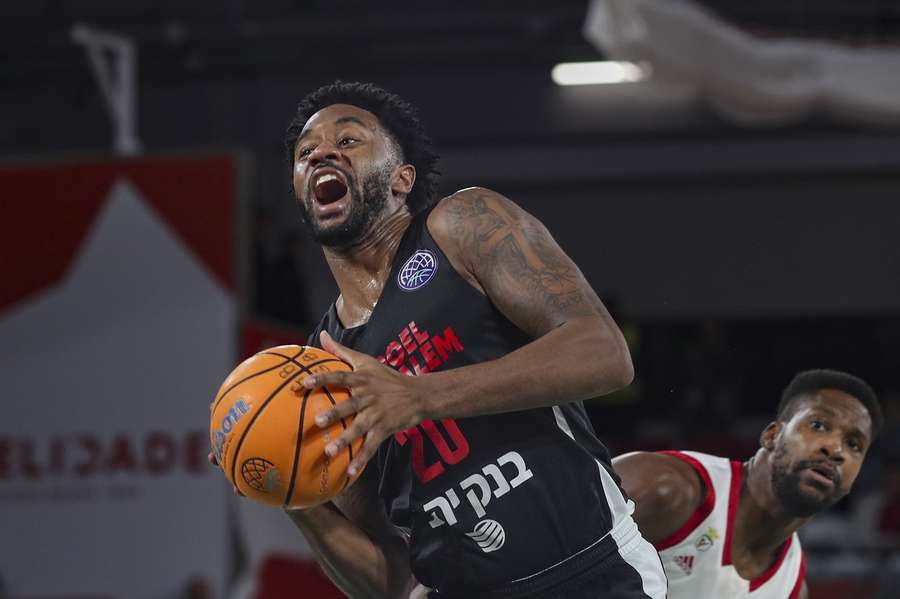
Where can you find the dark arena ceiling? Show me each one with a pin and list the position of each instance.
(229, 38)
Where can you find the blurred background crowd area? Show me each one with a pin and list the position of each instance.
(735, 206)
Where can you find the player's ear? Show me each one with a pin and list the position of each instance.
(403, 179)
(769, 434)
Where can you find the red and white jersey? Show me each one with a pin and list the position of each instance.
(697, 557)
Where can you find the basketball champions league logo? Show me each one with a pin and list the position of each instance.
(417, 271)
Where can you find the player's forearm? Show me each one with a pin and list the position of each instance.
(581, 359)
(361, 568)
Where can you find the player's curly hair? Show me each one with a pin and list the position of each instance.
(810, 381)
(398, 117)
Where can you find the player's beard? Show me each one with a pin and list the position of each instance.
(787, 485)
(366, 205)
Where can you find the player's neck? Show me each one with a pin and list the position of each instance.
(761, 525)
(361, 271)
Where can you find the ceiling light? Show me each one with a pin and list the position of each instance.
(591, 73)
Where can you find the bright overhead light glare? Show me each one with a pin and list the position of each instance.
(591, 73)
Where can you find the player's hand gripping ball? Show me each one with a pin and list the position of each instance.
(263, 429)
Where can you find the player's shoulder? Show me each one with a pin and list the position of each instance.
(662, 475)
(476, 193)
(463, 220)
(667, 490)
(456, 209)
(663, 479)
(474, 214)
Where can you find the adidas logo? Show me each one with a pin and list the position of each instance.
(685, 562)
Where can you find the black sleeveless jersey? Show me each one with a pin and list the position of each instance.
(486, 500)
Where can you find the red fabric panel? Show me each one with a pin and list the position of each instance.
(286, 577)
(48, 210)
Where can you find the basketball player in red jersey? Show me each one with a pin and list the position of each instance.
(727, 529)
(487, 478)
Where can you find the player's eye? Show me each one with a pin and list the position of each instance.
(817, 425)
(854, 445)
(304, 152)
(346, 141)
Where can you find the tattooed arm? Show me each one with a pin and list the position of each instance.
(577, 350)
(511, 257)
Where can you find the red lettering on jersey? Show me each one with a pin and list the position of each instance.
(431, 359)
(406, 339)
(417, 352)
(420, 337)
(394, 354)
(417, 455)
(448, 456)
(416, 368)
(448, 343)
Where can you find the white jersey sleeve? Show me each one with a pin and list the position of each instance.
(697, 557)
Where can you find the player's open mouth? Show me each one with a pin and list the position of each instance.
(329, 188)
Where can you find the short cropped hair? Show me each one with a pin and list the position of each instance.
(810, 381)
(397, 116)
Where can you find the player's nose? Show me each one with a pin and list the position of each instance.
(832, 447)
(324, 152)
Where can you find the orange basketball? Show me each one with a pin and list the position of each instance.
(263, 429)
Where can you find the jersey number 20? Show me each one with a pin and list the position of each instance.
(448, 456)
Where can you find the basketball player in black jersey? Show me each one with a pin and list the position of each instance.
(483, 476)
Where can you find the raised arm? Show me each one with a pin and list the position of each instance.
(512, 258)
(666, 491)
(356, 545)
